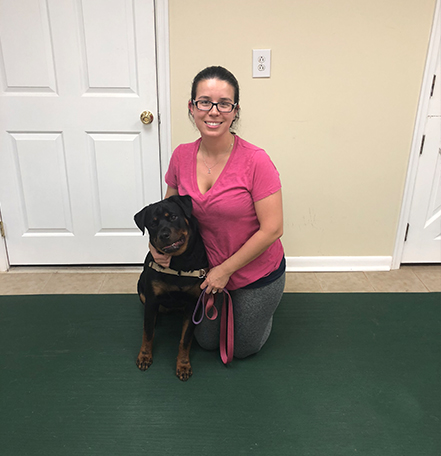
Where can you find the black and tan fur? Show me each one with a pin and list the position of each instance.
(174, 231)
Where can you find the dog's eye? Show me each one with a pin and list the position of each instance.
(173, 217)
(154, 223)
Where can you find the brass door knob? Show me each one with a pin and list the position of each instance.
(146, 117)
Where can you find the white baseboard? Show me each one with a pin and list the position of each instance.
(303, 264)
(338, 264)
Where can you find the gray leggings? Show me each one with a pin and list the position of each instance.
(253, 319)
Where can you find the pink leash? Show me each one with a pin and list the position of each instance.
(226, 341)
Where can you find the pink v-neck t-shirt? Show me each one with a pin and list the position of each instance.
(226, 214)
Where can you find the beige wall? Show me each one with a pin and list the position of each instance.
(337, 114)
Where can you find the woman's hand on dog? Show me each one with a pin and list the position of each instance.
(161, 258)
(216, 280)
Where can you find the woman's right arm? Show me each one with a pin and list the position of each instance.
(171, 191)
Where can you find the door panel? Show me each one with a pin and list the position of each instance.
(108, 46)
(76, 163)
(423, 243)
(47, 150)
(117, 177)
(27, 64)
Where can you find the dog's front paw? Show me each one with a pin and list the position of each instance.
(144, 360)
(183, 370)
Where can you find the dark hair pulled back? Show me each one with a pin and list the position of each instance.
(216, 72)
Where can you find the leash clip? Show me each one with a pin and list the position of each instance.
(202, 273)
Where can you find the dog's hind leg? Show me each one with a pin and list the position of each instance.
(183, 366)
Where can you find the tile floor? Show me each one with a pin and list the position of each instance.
(107, 280)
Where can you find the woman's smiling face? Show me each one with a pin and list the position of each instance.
(213, 123)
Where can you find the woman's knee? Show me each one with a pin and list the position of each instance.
(208, 340)
(244, 352)
(251, 345)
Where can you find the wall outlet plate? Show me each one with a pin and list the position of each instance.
(261, 63)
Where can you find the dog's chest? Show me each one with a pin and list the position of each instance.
(176, 294)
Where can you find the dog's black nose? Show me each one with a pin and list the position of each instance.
(164, 235)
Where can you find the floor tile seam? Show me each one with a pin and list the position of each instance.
(379, 290)
(419, 280)
(323, 290)
(422, 280)
(374, 290)
(17, 270)
(48, 280)
(41, 293)
(370, 282)
(102, 284)
(31, 285)
(99, 283)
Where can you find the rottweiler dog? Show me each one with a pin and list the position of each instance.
(173, 231)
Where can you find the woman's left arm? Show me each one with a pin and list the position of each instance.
(269, 212)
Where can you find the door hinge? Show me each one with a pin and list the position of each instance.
(2, 230)
(422, 144)
(433, 86)
(407, 232)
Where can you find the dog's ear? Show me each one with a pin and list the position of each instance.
(140, 219)
(184, 202)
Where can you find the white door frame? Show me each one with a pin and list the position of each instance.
(163, 91)
(4, 262)
(163, 78)
(423, 107)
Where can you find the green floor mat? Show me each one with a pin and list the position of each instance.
(341, 374)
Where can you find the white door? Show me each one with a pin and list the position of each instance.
(76, 163)
(423, 243)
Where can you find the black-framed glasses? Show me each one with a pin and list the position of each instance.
(222, 106)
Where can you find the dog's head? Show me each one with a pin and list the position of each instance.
(167, 223)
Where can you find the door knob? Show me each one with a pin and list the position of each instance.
(146, 117)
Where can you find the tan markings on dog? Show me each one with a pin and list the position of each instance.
(183, 366)
(154, 242)
(194, 290)
(160, 288)
(184, 246)
(142, 297)
(145, 356)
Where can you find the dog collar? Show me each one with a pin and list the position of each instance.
(200, 273)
